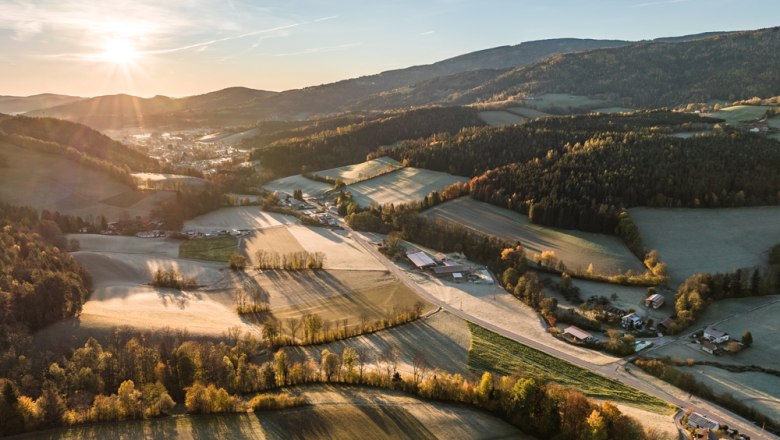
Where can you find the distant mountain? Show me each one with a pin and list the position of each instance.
(23, 104)
(116, 111)
(728, 67)
(240, 105)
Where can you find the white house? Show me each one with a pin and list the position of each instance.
(632, 320)
(715, 336)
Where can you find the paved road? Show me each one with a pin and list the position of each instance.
(618, 371)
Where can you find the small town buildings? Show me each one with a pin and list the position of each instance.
(709, 347)
(715, 336)
(655, 300)
(632, 320)
(421, 259)
(696, 420)
(577, 334)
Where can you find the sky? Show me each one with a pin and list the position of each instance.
(185, 47)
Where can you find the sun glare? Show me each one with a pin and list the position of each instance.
(119, 51)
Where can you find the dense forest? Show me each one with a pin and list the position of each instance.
(651, 74)
(473, 151)
(80, 137)
(350, 144)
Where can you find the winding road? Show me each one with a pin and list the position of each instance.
(619, 371)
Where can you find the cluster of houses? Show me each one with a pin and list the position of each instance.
(703, 427)
(711, 338)
(440, 266)
(309, 208)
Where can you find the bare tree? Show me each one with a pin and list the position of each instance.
(293, 324)
(419, 365)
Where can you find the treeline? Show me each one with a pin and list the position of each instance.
(85, 140)
(189, 203)
(700, 290)
(586, 185)
(272, 131)
(687, 382)
(39, 282)
(350, 144)
(300, 260)
(171, 278)
(473, 151)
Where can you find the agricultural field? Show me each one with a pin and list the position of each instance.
(228, 138)
(740, 113)
(335, 295)
(341, 251)
(310, 188)
(243, 217)
(332, 412)
(166, 181)
(490, 351)
(402, 186)
(575, 248)
(47, 181)
(497, 118)
(350, 174)
(122, 268)
(527, 112)
(210, 249)
(442, 338)
(562, 101)
(271, 239)
(693, 241)
(774, 122)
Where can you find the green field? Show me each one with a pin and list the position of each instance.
(527, 112)
(613, 110)
(210, 249)
(491, 351)
(564, 101)
(740, 113)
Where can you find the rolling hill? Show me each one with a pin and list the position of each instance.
(23, 104)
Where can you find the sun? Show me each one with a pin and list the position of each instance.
(119, 51)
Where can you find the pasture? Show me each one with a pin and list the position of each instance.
(740, 113)
(331, 412)
(310, 188)
(48, 181)
(209, 249)
(527, 112)
(243, 217)
(612, 110)
(166, 181)
(497, 118)
(694, 241)
(402, 186)
(350, 174)
(575, 248)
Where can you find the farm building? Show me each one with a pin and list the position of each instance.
(709, 347)
(655, 300)
(421, 259)
(632, 320)
(696, 420)
(577, 334)
(665, 324)
(715, 336)
(441, 271)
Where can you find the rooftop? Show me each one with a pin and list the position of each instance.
(576, 332)
(421, 259)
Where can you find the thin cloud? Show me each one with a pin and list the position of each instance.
(319, 50)
(658, 3)
(427, 33)
(330, 17)
(220, 40)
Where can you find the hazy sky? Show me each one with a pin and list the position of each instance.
(183, 47)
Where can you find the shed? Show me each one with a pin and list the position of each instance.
(632, 320)
(655, 300)
(665, 324)
(709, 347)
(715, 336)
(577, 333)
(421, 259)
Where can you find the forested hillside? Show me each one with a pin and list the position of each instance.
(473, 151)
(350, 144)
(584, 185)
(729, 67)
(80, 137)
